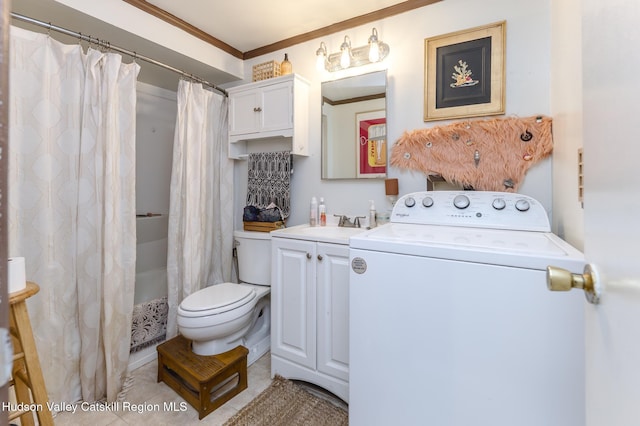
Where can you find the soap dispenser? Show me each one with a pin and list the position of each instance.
(372, 214)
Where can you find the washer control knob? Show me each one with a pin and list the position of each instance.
(409, 202)
(427, 201)
(461, 201)
(499, 204)
(522, 205)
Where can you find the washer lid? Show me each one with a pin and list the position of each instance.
(220, 298)
(525, 249)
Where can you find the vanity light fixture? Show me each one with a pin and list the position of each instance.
(345, 53)
(374, 51)
(374, 47)
(321, 56)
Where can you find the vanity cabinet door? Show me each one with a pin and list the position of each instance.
(293, 300)
(333, 310)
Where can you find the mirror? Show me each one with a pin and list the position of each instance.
(354, 129)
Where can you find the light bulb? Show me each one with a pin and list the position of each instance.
(374, 47)
(321, 57)
(345, 61)
(320, 62)
(374, 52)
(345, 56)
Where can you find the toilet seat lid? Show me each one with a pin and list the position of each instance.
(219, 298)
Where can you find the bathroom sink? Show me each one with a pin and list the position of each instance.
(327, 234)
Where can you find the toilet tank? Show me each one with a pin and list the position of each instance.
(254, 256)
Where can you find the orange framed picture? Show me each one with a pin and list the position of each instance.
(371, 155)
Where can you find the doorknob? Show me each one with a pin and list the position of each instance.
(559, 279)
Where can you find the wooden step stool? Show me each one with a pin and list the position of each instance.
(205, 382)
(27, 377)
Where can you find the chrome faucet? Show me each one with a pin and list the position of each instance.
(345, 222)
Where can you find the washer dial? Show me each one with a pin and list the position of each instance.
(522, 205)
(427, 201)
(461, 201)
(499, 204)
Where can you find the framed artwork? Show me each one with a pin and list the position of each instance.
(464, 73)
(371, 151)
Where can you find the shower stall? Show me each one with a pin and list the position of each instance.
(156, 115)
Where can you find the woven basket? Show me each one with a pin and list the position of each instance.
(262, 226)
(266, 70)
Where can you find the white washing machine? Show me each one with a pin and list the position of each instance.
(451, 321)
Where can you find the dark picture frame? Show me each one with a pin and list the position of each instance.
(464, 73)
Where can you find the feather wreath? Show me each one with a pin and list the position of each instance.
(486, 155)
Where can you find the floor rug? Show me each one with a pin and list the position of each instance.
(149, 324)
(284, 403)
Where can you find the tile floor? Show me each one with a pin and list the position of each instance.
(147, 394)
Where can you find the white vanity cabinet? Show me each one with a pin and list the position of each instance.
(273, 108)
(310, 311)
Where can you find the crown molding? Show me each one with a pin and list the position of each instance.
(185, 26)
(282, 44)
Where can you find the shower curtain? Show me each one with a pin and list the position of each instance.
(200, 240)
(72, 208)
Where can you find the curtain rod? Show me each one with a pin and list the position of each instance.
(108, 45)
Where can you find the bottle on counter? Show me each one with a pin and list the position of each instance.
(322, 212)
(313, 212)
(372, 214)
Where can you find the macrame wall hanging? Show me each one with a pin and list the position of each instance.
(485, 155)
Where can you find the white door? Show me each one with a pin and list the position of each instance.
(611, 99)
(277, 107)
(244, 112)
(333, 310)
(293, 301)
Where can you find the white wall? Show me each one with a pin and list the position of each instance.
(155, 123)
(528, 70)
(528, 58)
(566, 107)
(156, 117)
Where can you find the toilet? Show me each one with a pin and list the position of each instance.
(220, 317)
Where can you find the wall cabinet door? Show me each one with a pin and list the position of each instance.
(261, 109)
(277, 107)
(333, 310)
(293, 301)
(244, 112)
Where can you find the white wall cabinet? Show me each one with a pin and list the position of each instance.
(310, 315)
(268, 109)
